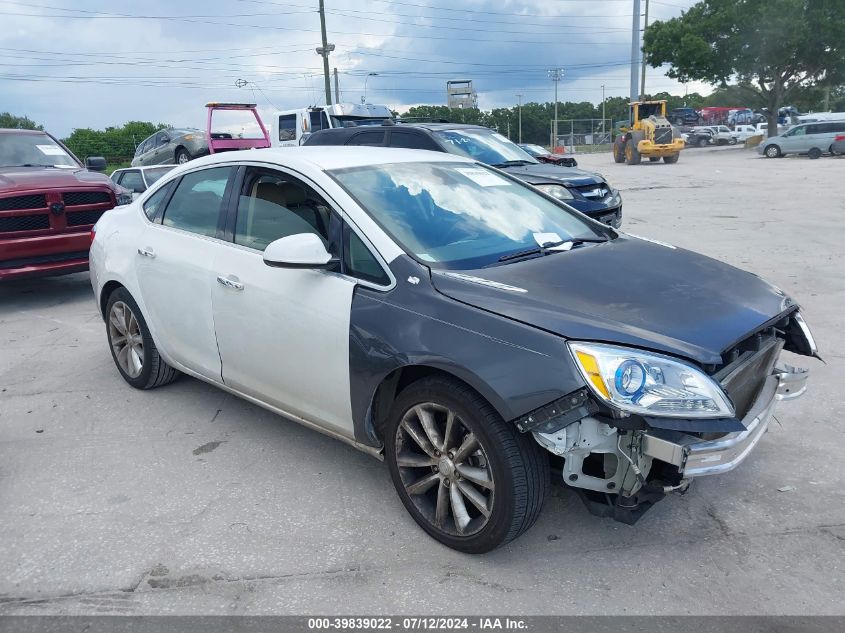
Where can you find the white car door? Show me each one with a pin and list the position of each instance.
(174, 270)
(283, 333)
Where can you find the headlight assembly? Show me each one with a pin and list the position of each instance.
(649, 384)
(556, 191)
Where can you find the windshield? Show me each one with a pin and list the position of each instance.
(32, 150)
(485, 146)
(535, 150)
(459, 216)
(151, 175)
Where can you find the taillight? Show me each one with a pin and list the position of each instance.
(840, 137)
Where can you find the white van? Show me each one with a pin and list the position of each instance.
(812, 139)
(288, 127)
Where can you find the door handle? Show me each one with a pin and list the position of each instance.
(146, 252)
(230, 283)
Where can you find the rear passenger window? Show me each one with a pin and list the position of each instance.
(411, 140)
(273, 205)
(153, 204)
(358, 260)
(195, 205)
(370, 137)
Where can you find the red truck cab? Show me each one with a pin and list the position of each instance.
(49, 202)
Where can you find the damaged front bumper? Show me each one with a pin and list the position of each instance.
(694, 457)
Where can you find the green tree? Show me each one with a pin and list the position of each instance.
(773, 49)
(8, 120)
(116, 144)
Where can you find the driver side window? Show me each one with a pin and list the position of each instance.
(273, 205)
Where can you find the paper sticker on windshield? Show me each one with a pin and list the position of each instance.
(547, 238)
(481, 176)
(51, 150)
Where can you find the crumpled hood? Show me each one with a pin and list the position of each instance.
(26, 178)
(546, 172)
(628, 291)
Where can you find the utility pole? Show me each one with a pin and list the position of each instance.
(324, 50)
(520, 117)
(603, 113)
(336, 88)
(642, 78)
(635, 49)
(555, 74)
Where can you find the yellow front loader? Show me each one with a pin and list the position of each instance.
(650, 136)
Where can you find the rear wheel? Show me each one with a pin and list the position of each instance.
(772, 151)
(814, 153)
(467, 477)
(733, 141)
(671, 158)
(619, 150)
(132, 346)
(632, 154)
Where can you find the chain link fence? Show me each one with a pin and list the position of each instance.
(581, 135)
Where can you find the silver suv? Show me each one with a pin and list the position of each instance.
(173, 145)
(812, 139)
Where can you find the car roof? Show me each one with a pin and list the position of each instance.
(325, 157)
(12, 130)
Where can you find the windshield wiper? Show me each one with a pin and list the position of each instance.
(512, 163)
(551, 247)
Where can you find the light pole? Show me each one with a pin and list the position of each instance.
(520, 117)
(603, 114)
(635, 50)
(366, 79)
(555, 74)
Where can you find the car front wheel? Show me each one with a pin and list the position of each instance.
(468, 478)
(772, 151)
(182, 156)
(132, 346)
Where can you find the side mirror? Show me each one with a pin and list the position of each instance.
(95, 163)
(303, 250)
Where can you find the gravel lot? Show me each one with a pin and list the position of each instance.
(188, 500)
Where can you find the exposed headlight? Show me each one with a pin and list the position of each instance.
(556, 191)
(124, 198)
(191, 137)
(649, 384)
(805, 330)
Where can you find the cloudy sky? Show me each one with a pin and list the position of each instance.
(98, 63)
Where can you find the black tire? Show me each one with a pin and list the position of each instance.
(671, 158)
(701, 142)
(632, 154)
(154, 372)
(619, 150)
(182, 156)
(733, 141)
(814, 153)
(772, 151)
(517, 466)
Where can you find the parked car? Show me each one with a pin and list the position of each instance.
(684, 116)
(449, 317)
(838, 147)
(173, 145)
(744, 132)
(722, 135)
(48, 202)
(545, 156)
(139, 179)
(699, 137)
(812, 139)
(587, 192)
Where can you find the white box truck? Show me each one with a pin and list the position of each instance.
(289, 127)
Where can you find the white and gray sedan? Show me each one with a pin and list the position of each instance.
(475, 332)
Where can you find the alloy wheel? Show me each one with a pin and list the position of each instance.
(444, 469)
(126, 339)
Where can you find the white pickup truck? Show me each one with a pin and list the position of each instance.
(288, 127)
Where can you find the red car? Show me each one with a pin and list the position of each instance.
(49, 203)
(545, 156)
